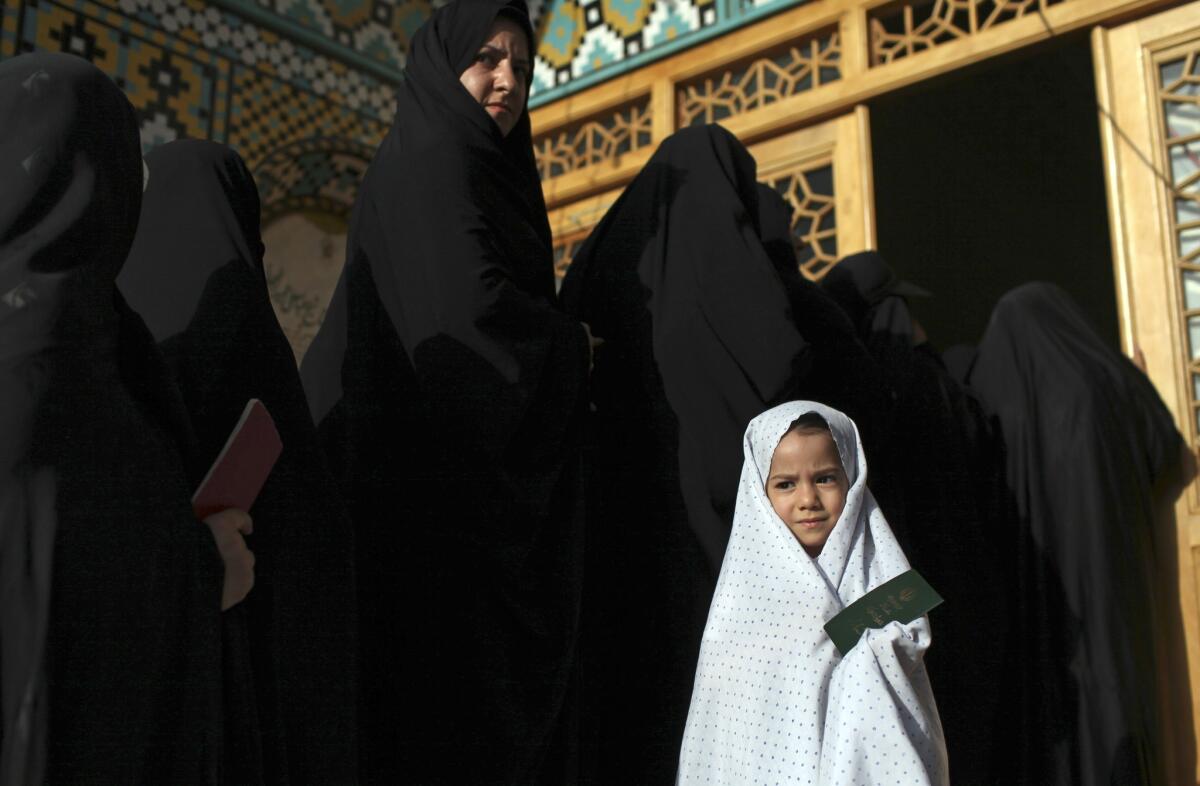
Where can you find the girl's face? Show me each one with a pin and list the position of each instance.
(807, 486)
(499, 73)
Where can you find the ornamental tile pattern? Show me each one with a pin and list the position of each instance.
(313, 174)
(381, 29)
(178, 88)
(268, 115)
(193, 70)
(580, 37)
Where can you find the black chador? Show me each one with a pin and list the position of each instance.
(1091, 450)
(110, 618)
(195, 274)
(698, 340)
(452, 387)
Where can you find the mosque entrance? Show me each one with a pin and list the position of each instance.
(1076, 162)
(993, 176)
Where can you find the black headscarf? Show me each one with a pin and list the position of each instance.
(1090, 446)
(91, 462)
(195, 275)
(959, 360)
(698, 340)
(679, 255)
(871, 295)
(462, 390)
(223, 228)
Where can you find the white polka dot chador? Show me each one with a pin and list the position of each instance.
(773, 701)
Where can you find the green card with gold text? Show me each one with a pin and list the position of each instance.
(901, 599)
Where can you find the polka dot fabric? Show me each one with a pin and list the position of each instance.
(773, 701)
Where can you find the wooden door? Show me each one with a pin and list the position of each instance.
(1148, 90)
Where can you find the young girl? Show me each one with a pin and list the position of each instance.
(774, 702)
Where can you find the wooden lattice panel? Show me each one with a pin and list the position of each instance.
(595, 140)
(810, 192)
(565, 249)
(1179, 93)
(799, 67)
(814, 220)
(911, 26)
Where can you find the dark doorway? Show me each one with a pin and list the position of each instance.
(992, 177)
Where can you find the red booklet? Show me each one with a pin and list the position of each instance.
(242, 466)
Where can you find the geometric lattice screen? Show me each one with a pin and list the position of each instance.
(903, 29)
(814, 222)
(814, 219)
(1179, 93)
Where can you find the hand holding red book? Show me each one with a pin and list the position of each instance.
(229, 490)
(242, 466)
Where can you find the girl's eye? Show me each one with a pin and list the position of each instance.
(826, 479)
(785, 485)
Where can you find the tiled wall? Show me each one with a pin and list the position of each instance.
(302, 90)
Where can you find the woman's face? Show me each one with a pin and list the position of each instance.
(497, 76)
(807, 486)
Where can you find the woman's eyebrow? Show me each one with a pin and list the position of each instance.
(504, 52)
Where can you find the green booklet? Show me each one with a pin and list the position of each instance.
(901, 599)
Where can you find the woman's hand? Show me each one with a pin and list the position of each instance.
(229, 528)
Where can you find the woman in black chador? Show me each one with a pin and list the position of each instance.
(698, 340)
(195, 274)
(1091, 452)
(112, 591)
(459, 387)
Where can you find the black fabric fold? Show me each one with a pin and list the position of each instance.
(195, 274)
